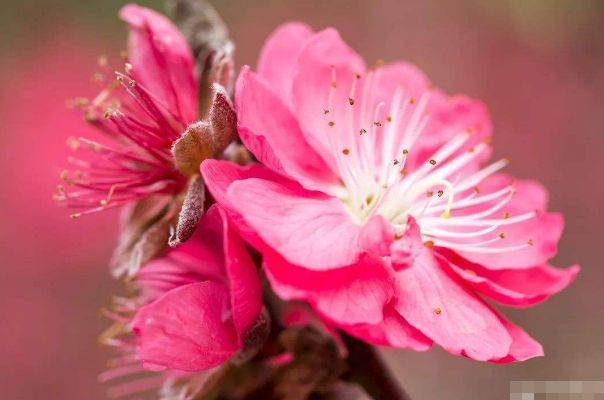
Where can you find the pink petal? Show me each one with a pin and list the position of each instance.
(308, 229)
(161, 60)
(219, 175)
(323, 53)
(523, 346)
(405, 249)
(244, 284)
(449, 117)
(445, 311)
(185, 329)
(393, 331)
(269, 129)
(348, 295)
(280, 55)
(543, 231)
(514, 287)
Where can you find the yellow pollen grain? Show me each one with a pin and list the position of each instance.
(405, 152)
(506, 215)
(429, 244)
(404, 171)
(389, 118)
(369, 199)
(446, 214)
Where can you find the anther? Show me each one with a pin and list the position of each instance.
(369, 199)
(530, 242)
(404, 172)
(506, 215)
(326, 111)
(389, 118)
(351, 101)
(132, 83)
(331, 123)
(433, 162)
(395, 162)
(502, 235)
(405, 152)
(429, 244)
(412, 101)
(377, 123)
(362, 131)
(333, 85)
(346, 152)
(440, 193)
(437, 311)
(358, 76)
(429, 193)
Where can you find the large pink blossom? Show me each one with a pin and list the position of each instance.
(141, 111)
(375, 205)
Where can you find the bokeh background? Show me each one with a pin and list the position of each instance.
(538, 64)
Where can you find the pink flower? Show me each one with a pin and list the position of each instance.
(204, 296)
(141, 115)
(374, 204)
(198, 306)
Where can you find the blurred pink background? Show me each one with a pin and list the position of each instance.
(537, 64)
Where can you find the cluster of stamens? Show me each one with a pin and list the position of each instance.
(371, 142)
(132, 159)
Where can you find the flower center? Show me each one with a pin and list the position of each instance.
(379, 158)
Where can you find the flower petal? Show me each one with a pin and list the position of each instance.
(393, 331)
(161, 60)
(244, 284)
(325, 54)
(523, 346)
(349, 295)
(444, 310)
(307, 228)
(269, 129)
(280, 55)
(542, 232)
(513, 287)
(185, 329)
